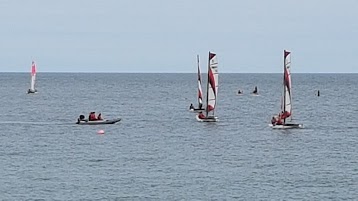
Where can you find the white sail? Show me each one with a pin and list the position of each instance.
(212, 87)
(33, 76)
(287, 92)
(200, 91)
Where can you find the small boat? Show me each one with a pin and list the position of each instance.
(33, 79)
(97, 122)
(286, 126)
(286, 99)
(211, 90)
(200, 92)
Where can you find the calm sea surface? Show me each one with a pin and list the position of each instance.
(160, 152)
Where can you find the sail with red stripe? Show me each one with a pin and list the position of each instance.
(212, 87)
(200, 91)
(286, 106)
(33, 76)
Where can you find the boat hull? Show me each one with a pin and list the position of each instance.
(286, 126)
(197, 110)
(31, 91)
(98, 122)
(209, 119)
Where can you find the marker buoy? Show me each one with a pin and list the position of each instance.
(100, 132)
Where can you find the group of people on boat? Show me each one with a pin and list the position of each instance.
(91, 117)
(278, 120)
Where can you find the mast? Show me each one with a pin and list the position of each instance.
(200, 101)
(207, 87)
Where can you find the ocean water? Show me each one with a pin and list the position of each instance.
(160, 152)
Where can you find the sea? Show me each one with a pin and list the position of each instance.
(158, 151)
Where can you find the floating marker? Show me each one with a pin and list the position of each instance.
(100, 132)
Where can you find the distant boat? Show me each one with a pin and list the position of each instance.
(33, 79)
(211, 91)
(286, 102)
(97, 122)
(82, 121)
(200, 92)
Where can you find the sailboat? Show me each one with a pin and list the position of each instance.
(33, 79)
(286, 100)
(200, 92)
(211, 91)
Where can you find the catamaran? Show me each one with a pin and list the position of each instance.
(286, 99)
(33, 79)
(211, 91)
(200, 91)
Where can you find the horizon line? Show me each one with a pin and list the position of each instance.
(91, 72)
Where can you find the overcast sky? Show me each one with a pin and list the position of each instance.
(166, 35)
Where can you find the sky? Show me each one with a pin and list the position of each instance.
(166, 35)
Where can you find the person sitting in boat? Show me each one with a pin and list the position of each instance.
(239, 92)
(201, 115)
(279, 120)
(191, 106)
(92, 116)
(99, 117)
(285, 115)
(255, 90)
(273, 120)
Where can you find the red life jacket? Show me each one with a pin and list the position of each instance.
(279, 122)
(93, 117)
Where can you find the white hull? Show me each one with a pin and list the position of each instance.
(212, 119)
(286, 126)
(97, 122)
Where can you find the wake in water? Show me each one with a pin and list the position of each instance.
(37, 123)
